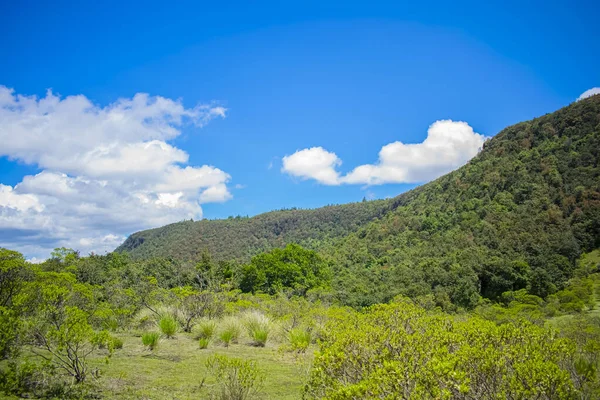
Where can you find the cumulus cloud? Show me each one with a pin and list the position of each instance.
(448, 145)
(106, 171)
(314, 163)
(589, 93)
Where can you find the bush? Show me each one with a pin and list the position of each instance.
(117, 343)
(32, 380)
(258, 327)
(205, 329)
(299, 339)
(237, 379)
(168, 326)
(150, 340)
(203, 343)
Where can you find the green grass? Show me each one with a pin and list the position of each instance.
(176, 369)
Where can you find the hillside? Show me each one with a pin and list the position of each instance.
(516, 216)
(240, 238)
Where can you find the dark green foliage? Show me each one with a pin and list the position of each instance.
(516, 216)
(241, 238)
(292, 268)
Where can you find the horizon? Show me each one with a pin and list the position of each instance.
(180, 112)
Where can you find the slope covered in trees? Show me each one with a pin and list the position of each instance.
(515, 217)
(240, 238)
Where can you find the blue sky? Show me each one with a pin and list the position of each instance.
(347, 91)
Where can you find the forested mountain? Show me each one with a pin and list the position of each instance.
(516, 216)
(240, 238)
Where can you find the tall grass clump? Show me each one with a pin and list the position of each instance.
(150, 340)
(205, 329)
(203, 343)
(299, 339)
(258, 326)
(229, 332)
(168, 326)
(237, 379)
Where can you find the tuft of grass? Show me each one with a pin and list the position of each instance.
(203, 343)
(230, 331)
(168, 326)
(258, 326)
(299, 339)
(150, 340)
(205, 329)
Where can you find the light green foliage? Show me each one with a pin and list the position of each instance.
(258, 327)
(168, 325)
(205, 329)
(13, 279)
(237, 379)
(69, 342)
(203, 343)
(151, 340)
(299, 339)
(401, 349)
(193, 304)
(229, 331)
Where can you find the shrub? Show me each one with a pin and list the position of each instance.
(258, 327)
(203, 342)
(150, 340)
(168, 326)
(237, 379)
(205, 329)
(33, 380)
(117, 343)
(299, 339)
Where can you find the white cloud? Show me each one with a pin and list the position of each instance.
(20, 202)
(449, 144)
(106, 171)
(314, 163)
(215, 194)
(589, 93)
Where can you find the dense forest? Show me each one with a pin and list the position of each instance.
(240, 238)
(482, 284)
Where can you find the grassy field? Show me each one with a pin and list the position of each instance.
(176, 369)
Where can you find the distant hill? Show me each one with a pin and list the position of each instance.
(516, 216)
(240, 238)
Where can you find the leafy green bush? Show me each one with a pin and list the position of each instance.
(258, 327)
(203, 343)
(168, 326)
(237, 379)
(117, 343)
(151, 340)
(400, 348)
(299, 339)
